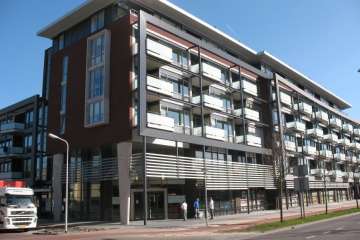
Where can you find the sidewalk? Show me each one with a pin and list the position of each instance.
(175, 226)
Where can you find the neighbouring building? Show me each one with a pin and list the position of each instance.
(152, 97)
(23, 127)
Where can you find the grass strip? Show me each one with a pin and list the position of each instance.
(292, 222)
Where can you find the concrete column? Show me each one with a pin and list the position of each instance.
(58, 162)
(124, 153)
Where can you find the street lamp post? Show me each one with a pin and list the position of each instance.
(53, 136)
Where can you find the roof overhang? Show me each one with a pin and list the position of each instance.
(283, 68)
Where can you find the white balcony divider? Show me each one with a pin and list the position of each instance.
(250, 140)
(290, 146)
(317, 172)
(310, 150)
(208, 71)
(304, 108)
(340, 156)
(315, 132)
(214, 133)
(335, 122)
(159, 86)
(220, 175)
(210, 101)
(331, 137)
(322, 116)
(340, 173)
(296, 125)
(249, 113)
(159, 50)
(285, 98)
(357, 132)
(332, 173)
(347, 127)
(248, 87)
(326, 153)
(160, 122)
(345, 142)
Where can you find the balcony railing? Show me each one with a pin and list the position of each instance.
(248, 87)
(290, 146)
(250, 140)
(11, 127)
(211, 132)
(309, 150)
(340, 174)
(249, 114)
(160, 122)
(348, 128)
(340, 156)
(315, 132)
(296, 126)
(326, 153)
(11, 175)
(159, 86)
(335, 122)
(11, 151)
(285, 99)
(209, 71)
(354, 159)
(317, 172)
(159, 50)
(355, 145)
(345, 142)
(331, 138)
(304, 108)
(322, 116)
(210, 101)
(332, 173)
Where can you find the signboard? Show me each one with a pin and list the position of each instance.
(301, 184)
(176, 198)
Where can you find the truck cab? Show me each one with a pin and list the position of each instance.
(17, 209)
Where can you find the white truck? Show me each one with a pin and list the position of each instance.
(17, 210)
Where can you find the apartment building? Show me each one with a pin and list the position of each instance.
(23, 147)
(159, 105)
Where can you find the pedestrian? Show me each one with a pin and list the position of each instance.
(184, 210)
(197, 208)
(211, 207)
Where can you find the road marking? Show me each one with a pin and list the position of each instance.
(309, 237)
(326, 232)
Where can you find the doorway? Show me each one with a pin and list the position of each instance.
(157, 204)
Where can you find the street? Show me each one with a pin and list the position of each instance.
(347, 227)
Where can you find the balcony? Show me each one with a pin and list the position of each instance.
(326, 153)
(159, 50)
(318, 172)
(335, 123)
(304, 108)
(209, 71)
(210, 101)
(211, 132)
(308, 150)
(340, 157)
(332, 173)
(250, 140)
(354, 159)
(331, 138)
(11, 175)
(285, 99)
(355, 145)
(160, 122)
(290, 146)
(345, 142)
(159, 86)
(11, 127)
(347, 127)
(357, 175)
(340, 173)
(322, 117)
(11, 151)
(248, 87)
(249, 114)
(357, 132)
(315, 132)
(296, 126)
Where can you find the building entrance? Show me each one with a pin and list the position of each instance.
(157, 204)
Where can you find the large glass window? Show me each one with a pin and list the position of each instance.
(63, 93)
(97, 21)
(96, 79)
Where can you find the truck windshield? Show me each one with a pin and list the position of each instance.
(20, 201)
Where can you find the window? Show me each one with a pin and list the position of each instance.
(28, 143)
(27, 167)
(63, 93)
(97, 21)
(29, 118)
(61, 42)
(179, 58)
(97, 79)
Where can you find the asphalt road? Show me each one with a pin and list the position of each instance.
(336, 229)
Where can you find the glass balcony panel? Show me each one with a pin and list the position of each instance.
(315, 132)
(11, 151)
(159, 50)
(250, 140)
(309, 150)
(290, 146)
(348, 128)
(11, 127)
(285, 98)
(248, 87)
(159, 86)
(322, 116)
(249, 114)
(304, 108)
(317, 172)
(335, 122)
(160, 122)
(331, 138)
(296, 126)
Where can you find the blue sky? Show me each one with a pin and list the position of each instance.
(319, 38)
